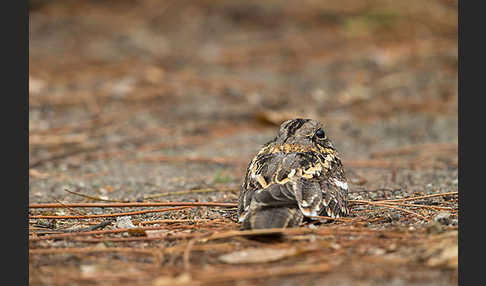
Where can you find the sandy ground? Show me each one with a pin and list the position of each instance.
(132, 100)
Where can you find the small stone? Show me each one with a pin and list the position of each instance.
(434, 228)
(395, 216)
(100, 245)
(97, 210)
(88, 270)
(443, 218)
(376, 251)
(124, 222)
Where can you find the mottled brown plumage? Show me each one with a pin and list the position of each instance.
(298, 174)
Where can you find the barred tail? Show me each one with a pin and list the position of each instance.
(273, 217)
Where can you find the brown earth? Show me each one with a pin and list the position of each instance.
(169, 100)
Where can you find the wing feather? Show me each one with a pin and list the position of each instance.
(334, 202)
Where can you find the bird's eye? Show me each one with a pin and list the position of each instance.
(320, 134)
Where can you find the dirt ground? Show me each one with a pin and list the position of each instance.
(167, 101)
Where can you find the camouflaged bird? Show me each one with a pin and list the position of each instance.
(298, 174)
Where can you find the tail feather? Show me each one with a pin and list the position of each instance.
(273, 217)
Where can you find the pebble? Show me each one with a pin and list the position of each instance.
(434, 228)
(443, 218)
(124, 222)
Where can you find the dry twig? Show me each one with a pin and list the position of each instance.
(207, 190)
(106, 215)
(134, 204)
(421, 197)
(388, 206)
(90, 197)
(85, 250)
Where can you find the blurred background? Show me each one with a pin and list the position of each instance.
(135, 98)
(148, 95)
(162, 82)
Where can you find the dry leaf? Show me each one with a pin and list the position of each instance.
(273, 117)
(447, 257)
(37, 175)
(36, 85)
(257, 255)
(183, 279)
(444, 253)
(137, 232)
(157, 233)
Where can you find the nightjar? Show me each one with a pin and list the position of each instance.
(297, 174)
